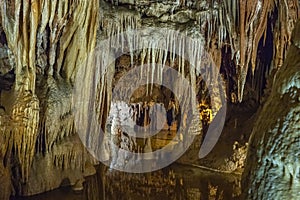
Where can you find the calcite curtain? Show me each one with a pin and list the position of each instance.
(48, 39)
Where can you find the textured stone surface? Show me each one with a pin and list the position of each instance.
(272, 167)
(5, 186)
(44, 46)
(67, 164)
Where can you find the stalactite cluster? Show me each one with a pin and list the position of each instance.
(48, 48)
(25, 117)
(238, 25)
(56, 114)
(288, 13)
(241, 25)
(156, 52)
(249, 26)
(47, 41)
(253, 28)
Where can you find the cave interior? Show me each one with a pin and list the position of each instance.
(135, 99)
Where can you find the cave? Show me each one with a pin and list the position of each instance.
(140, 99)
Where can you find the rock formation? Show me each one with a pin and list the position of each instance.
(47, 61)
(44, 42)
(272, 166)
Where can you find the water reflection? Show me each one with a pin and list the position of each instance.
(176, 182)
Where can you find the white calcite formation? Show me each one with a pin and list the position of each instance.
(48, 44)
(238, 23)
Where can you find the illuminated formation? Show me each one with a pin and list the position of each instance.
(59, 92)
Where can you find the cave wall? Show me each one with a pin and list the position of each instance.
(43, 43)
(272, 165)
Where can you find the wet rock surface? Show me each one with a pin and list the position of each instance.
(273, 157)
(41, 65)
(228, 156)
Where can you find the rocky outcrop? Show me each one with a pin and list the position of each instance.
(272, 166)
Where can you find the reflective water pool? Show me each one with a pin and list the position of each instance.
(174, 182)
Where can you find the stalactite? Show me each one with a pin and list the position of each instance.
(45, 35)
(58, 110)
(19, 43)
(25, 114)
(119, 23)
(25, 117)
(252, 24)
(243, 24)
(288, 13)
(152, 53)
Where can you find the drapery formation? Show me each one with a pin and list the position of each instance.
(48, 40)
(243, 24)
